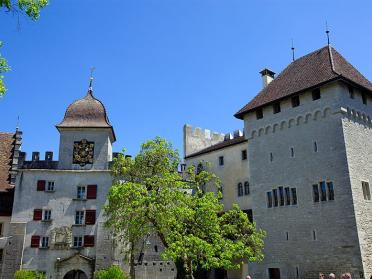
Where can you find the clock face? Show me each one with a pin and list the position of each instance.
(83, 152)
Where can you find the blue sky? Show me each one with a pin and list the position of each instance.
(162, 63)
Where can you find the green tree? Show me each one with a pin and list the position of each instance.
(28, 274)
(113, 272)
(150, 196)
(30, 8)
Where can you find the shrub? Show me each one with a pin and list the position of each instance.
(28, 274)
(113, 272)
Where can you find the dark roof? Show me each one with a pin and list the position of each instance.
(220, 145)
(6, 157)
(309, 71)
(87, 112)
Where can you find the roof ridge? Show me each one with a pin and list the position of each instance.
(331, 60)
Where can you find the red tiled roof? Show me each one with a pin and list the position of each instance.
(218, 146)
(311, 70)
(6, 154)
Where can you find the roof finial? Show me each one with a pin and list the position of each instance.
(327, 32)
(91, 78)
(293, 51)
(17, 127)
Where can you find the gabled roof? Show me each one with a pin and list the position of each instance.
(312, 70)
(218, 146)
(6, 157)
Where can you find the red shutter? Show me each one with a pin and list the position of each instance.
(90, 217)
(92, 192)
(40, 185)
(35, 241)
(38, 214)
(89, 241)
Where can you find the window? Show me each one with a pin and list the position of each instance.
(275, 194)
(249, 214)
(315, 147)
(287, 236)
(287, 196)
(281, 195)
(323, 191)
(276, 108)
(292, 152)
(259, 113)
(271, 157)
(1, 255)
(316, 94)
(81, 192)
(78, 241)
(295, 101)
(1, 229)
(351, 92)
(220, 161)
(38, 214)
(364, 98)
(366, 191)
(244, 154)
(316, 193)
(246, 188)
(314, 235)
(47, 215)
(156, 248)
(90, 217)
(91, 192)
(89, 241)
(50, 186)
(35, 241)
(294, 196)
(331, 192)
(269, 199)
(45, 242)
(79, 217)
(240, 189)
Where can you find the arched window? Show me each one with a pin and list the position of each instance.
(246, 188)
(240, 189)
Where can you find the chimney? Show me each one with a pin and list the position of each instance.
(267, 77)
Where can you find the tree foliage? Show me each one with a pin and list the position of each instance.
(113, 272)
(28, 274)
(31, 8)
(150, 196)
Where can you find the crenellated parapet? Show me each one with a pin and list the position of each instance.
(36, 163)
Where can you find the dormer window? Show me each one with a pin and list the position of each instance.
(259, 113)
(316, 94)
(276, 107)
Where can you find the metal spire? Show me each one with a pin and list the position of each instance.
(293, 52)
(91, 78)
(327, 32)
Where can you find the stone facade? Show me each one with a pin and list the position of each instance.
(319, 143)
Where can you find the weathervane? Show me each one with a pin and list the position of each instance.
(293, 52)
(327, 32)
(91, 77)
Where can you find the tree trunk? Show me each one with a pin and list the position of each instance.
(132, 271)
(188, 268)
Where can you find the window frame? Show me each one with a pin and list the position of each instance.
(351, 92)
(330, 191)
(259, 113)
(221, 161)
(316, 94)
(79, 218)
(364, 98)
(247, 189)
(47, 215)
(287, 193)
(44, 242)
(316, 193)
(276, 108)
(269, 197)
(295, 101)
(281, 196)
(276, 199)
(50, 186)
(77, 241)
(244, 154)
(240, 189)
(323, 191)
(84, 197)
(294, 196)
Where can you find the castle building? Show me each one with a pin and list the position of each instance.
(302, 169)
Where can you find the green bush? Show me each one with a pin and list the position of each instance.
(113, 272)
(28, 274)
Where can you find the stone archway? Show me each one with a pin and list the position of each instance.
(75, 274)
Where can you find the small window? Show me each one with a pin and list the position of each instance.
(364, 98)
(316, 94)
(79, 217)
(78, 241)
(287, 235)
(50, 186)
(331, 191)
(221, 161)
(315, 146)
(45, 242)
(287, 196)
(1, 255)
(351, 92)
(295, 101)
(156, 248)
(269, 199)
(246, 188)
(244, 154)
(323, 191)
(275, 194)
(47, 215)
(294, 196)
(271, 157)
(281, 196)
(314, 235)
(81, 192)
(292, 152)
(240, 189)
(316, 193)
(366, 191)
(259, 113)
(276, 108)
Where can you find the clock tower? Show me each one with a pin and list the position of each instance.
(86, 135)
